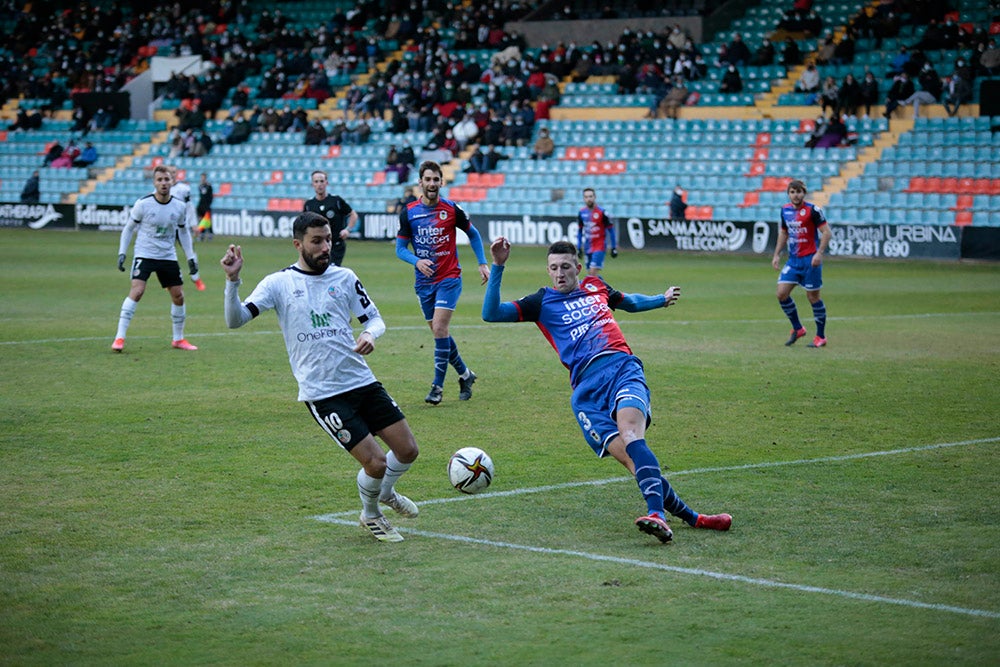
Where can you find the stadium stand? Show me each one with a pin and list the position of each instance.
(732, 152)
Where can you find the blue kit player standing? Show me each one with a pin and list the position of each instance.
(804, 229)
(611, 399)
(595, 233)
(429, 224)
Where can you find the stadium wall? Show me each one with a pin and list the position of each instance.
(943, 242)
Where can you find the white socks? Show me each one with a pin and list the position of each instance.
(125, 318)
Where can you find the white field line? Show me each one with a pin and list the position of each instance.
(340, 518)
(628, 322)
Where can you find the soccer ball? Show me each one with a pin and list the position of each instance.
(470, 470)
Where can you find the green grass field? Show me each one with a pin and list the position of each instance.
(161, 507)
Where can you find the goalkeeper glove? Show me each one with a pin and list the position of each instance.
(193, 266)
(614, 252)
(121, 262)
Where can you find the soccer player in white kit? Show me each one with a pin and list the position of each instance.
(315, 301)
(182, 191)
(157, 221)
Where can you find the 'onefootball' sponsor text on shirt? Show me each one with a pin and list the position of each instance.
(802, 224)
(431, 231)
(579, 325)
(315, 311)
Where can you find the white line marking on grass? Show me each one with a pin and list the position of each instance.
(686, 570)
(693, 471)
(339, 519)
(419, 327)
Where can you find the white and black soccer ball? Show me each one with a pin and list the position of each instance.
(470, 470)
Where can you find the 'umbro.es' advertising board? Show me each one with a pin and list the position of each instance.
(634, 234)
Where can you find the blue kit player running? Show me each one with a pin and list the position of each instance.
(595, 232)
(429, 224)
(804, 229)
(610, 396)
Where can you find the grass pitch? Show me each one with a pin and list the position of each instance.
(163, 507)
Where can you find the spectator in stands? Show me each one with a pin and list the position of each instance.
(808, 81)
(869, 92)
(834, 134)
(791, 56)
(678, 207)
(88, 156)
(732, 82)
(21, 122)
(465, 131)
(241, 131)
(315, 134)
(358, 134)
(401, 202)
(901, 89)
(737, 52)
(989, 59)
(957, 92)
(544, 146)
(484, 163)
(765, 54)
(31, 194)
(55, 150)
(395, 164)
(843, 54)
(202, 144)
(69, 154)
(848, 96)
(676, 97)
(824, 55)
(931, 82)
(829, 94)
(819, 129)
(898, 63)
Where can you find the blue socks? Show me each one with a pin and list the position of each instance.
(819, 312)
(788, 306)
(442, 352)
(455, 359)
(647, 475)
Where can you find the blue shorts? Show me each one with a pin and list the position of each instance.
(613, 381)
(595, 260)
(439, 295)
(800, 271)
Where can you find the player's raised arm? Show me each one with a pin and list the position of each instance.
(236, 313)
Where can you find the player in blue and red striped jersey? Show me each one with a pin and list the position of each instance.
(803, 228)
(429, 224)
(595, 233)
(611, 399)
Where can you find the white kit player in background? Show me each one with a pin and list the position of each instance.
(315, 301)
(157, 221)
(182, 191)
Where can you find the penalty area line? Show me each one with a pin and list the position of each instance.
(721, 576)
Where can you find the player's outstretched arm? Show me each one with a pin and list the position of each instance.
(493, 310)
(637, 303)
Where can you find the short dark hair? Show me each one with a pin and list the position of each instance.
(429, 164)
(562, 248)
(797, 184)
(304, 221)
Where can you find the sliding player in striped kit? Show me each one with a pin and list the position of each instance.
(611, 399)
